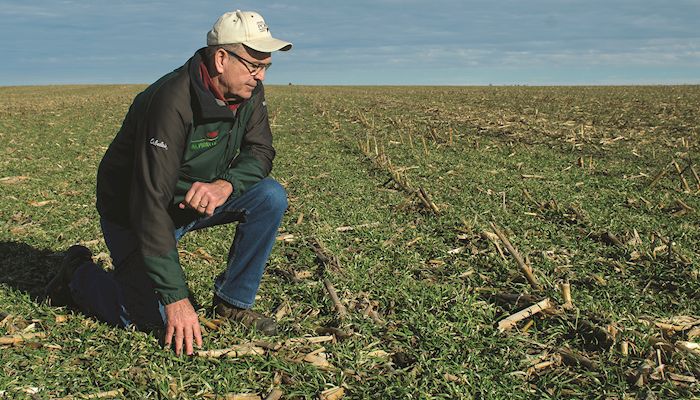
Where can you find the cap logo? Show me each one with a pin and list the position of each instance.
(262, 26)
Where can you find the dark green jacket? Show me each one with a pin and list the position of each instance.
(176, 133)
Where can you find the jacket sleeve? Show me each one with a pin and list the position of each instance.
(160, 138)
(254, 162)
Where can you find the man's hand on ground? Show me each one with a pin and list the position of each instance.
(205, 197)
(183, 323)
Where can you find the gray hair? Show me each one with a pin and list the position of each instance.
(210, 51)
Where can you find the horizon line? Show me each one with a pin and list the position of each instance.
(389, 84)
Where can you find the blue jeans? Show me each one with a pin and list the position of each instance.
(125, 296)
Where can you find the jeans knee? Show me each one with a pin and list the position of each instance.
(275, 195)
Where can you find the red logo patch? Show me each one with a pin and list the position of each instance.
(212, 135)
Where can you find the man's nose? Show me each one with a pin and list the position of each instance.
(260, 75)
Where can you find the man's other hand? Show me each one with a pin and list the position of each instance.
(205, 197)
(183, 324)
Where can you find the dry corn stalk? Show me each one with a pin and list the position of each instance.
(335, 393)
(339, 307)
(204, 321)
(690, 347)
(686, 187)
(681, 378)
(659, 175)
(554, 360)
(352, 228)
(509, 322)
(571, 358)
(566, 295)
(105, 395)
(243, 396)
(275, 394)
(22, 337)
(427, 200)
(310, 340)
(282, 310)
(678, 323)
(624, 348)
(380, 159)
(493, 238)
(526, 269)
(232, 352)
(318, 358)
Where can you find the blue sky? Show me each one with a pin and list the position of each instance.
(535, 42)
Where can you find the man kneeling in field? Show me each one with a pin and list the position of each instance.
(194, 151)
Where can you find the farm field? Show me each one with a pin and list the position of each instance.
(405, 200)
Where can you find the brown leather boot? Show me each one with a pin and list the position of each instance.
(249, 318)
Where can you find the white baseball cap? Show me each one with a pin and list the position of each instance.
(248, 28)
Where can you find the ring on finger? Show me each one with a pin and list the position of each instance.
(203, 205)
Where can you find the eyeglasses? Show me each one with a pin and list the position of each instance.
(253, 68)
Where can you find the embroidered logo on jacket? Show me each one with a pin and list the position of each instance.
(210, 140)
(158, 143)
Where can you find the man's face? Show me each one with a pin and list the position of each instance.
(237, 81)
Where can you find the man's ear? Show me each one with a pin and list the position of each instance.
(219, 59)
